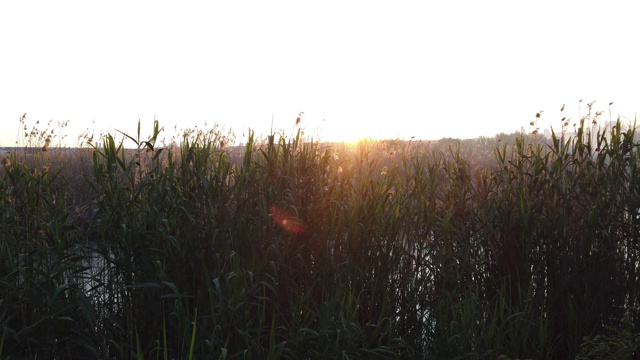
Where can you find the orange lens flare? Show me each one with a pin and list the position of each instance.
(286, 221)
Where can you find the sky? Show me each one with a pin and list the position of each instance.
(401, 69)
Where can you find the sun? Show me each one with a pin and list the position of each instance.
(349, 135)
(328, 129)
(351, 140)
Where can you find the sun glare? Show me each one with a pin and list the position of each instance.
(346, 135)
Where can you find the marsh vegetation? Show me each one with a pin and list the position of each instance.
(289, 248)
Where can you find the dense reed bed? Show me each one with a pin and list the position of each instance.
(506, 247)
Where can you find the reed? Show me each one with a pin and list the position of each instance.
(504, 247)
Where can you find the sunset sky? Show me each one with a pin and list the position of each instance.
(355, 68)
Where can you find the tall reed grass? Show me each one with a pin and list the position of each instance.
(290, 248)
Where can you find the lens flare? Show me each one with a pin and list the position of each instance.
(286, 221)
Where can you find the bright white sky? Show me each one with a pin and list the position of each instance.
(428, 69)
